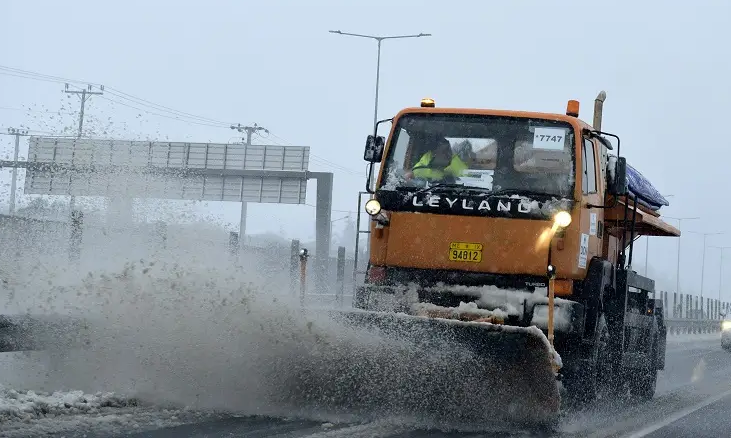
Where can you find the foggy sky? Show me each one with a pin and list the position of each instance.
(665, 67)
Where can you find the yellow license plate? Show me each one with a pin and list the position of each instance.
(465, 252)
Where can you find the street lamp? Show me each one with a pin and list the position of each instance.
(647, 242)
(703, 263)
(677, 269)
(720, 271)
(379, 39)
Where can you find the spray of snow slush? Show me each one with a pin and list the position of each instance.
(187, 325)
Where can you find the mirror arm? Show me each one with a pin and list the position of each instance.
(598, 135)
(368, 179)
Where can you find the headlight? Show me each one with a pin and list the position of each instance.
(562, 219)
(372, 207)
(726, 325)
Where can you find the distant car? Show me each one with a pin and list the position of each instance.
(726, 333)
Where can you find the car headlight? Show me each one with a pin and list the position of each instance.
(726, 325)
(562, 219)
(372, 207)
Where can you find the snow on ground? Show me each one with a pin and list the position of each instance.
(27, 413)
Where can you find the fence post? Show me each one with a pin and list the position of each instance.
(682, 306)
(340, 281)
(293, 265)
(233, 243)
(77, 222)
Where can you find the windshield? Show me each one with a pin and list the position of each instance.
(490, 153)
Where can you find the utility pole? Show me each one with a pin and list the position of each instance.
(14, 181)
(249, 130)
(84, 95)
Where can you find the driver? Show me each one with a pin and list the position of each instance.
(438, 163)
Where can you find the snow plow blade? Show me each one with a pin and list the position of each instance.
(467, 370)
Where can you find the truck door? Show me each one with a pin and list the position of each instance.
(592, 221)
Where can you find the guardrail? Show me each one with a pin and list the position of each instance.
(678, 326)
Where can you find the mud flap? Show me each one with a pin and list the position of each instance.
(471, 371)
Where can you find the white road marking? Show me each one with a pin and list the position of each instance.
(678, 415)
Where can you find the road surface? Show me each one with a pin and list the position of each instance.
(693, 399)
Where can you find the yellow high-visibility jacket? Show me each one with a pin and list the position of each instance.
(421, 169)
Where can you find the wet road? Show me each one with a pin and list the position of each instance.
(693, 399)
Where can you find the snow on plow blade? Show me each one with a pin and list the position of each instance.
(454, 370)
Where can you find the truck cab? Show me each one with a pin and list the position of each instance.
(502, 211)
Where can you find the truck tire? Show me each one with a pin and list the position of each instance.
(589, 378)
(644, 381)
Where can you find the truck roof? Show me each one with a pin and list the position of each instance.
(493, 112)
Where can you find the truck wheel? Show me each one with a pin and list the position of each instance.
(644, 382)
(589, 378)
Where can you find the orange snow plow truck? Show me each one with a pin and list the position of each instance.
(511, 233)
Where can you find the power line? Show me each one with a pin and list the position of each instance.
(161, 115)
(313, 156)
(173, 114)
(10, 71)
(333, 209)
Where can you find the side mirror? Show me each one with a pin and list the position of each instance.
(617, 177)
(374, 149)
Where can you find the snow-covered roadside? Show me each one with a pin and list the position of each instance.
(38, 414)
(26, 412)
(33, 412)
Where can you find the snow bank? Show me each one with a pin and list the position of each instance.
(30, 413)
(29, 405)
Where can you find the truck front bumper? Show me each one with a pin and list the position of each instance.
(523, 308)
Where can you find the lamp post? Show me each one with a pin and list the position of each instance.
(647, 242)
(720, 271)
(703, 262)
(378, 39)
(677, 269)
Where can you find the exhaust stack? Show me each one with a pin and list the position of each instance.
(598, 108)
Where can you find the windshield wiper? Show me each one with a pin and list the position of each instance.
(524, 192)
(460, 187)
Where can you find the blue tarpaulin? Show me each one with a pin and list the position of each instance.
(643, 190)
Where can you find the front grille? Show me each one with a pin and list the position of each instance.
(431, 277)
